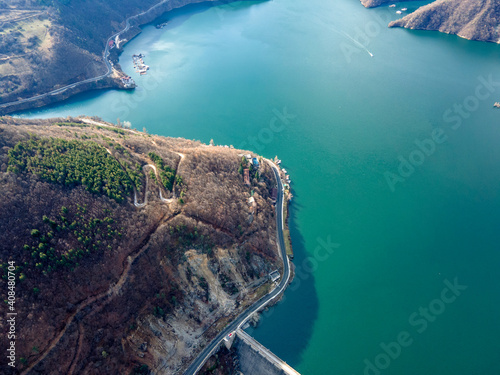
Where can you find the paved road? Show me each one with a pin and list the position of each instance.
(243, 317)
(62, 89)
(166, 200)
(105, 56)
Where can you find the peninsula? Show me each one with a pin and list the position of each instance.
(131, 251)
(473, 19)
(53, 49)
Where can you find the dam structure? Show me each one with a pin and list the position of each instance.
(254, 358)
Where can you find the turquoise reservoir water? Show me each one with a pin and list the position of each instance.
(392, 145)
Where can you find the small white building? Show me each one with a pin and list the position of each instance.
(274, 276)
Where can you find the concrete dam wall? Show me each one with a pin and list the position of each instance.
(255, 359)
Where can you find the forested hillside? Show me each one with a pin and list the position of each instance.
(48, 44)
(126, 244)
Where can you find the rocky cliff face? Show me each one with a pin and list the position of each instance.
(108, 286)
(472, 19)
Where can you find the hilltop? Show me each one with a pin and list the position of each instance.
(131, 250)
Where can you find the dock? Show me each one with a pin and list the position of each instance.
(138, 61)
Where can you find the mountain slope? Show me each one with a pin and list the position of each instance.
(112, 277)
(471, 19)
(49, 44)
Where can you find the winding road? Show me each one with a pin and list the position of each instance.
(102, 298)
(210, 349)
(166, 200)
(136, 203)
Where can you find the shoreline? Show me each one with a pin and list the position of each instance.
(266, 292)
(255, 307)
(110, 79)
(418, 19)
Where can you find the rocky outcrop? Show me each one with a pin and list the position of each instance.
(473, 19)
(106, 286)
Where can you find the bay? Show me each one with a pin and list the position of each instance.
(291, 78)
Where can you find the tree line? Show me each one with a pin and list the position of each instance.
(167, 174)
(71, 163)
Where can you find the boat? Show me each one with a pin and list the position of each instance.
(142, 69)
(139, 65)
(392, 6)
(496, 105)
(398, 12)
(404, 9)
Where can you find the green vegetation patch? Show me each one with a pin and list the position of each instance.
(167, 174)
(68, 237)
(189, 237)
(71, 163)
(245, 163)
(140, 370)
(135, 175)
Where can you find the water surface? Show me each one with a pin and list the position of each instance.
(286, 78)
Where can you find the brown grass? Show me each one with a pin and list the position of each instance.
(212, 225)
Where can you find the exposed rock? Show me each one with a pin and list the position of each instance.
(471, 19)
(161, 290)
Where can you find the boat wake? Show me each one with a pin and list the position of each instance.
(354, 41)
(347, 36)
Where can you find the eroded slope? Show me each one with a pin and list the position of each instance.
(105, 286)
